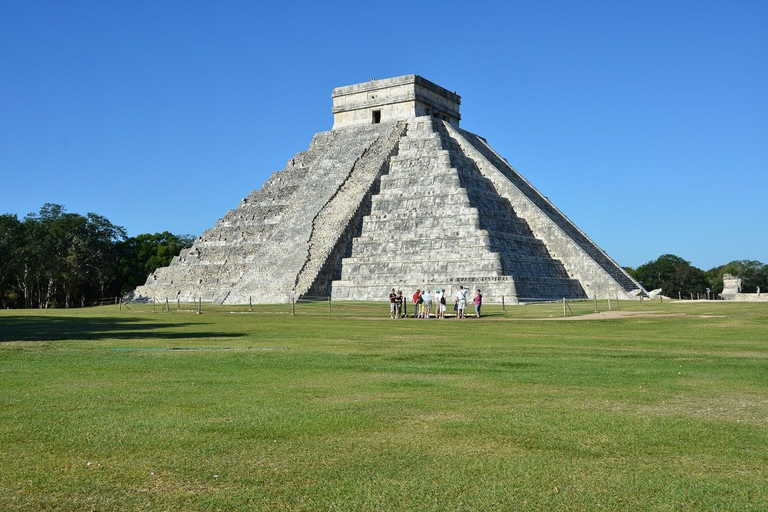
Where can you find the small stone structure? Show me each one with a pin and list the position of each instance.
(395, 195)
(732, 290)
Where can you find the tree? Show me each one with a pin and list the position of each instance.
(143, 254)
(11, 246)
(103, 261)
(54, 258)
(673, 275)
(67, 258)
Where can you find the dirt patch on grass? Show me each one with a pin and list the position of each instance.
(740, 409)
(612, 315)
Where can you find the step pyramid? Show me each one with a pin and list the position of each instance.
(395, 195)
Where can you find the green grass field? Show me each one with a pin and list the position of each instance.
(661, 407)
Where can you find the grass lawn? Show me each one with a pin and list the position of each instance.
(661, 407)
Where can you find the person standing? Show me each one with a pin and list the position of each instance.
(416, 303)
(440, 299)
(392, 303)
(461, 300)
(478, 302)
(399, 304)
(427, 303)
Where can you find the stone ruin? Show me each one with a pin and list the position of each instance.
(731, 286)
(732, 290)
(395, 195)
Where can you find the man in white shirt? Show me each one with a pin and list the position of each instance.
(461, 298)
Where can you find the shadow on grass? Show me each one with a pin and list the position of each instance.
(53, 328)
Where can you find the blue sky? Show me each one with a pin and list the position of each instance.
(645, 122)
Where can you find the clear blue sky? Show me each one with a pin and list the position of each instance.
(646, 122)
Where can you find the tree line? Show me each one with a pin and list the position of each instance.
(53, 258)
(676, 276)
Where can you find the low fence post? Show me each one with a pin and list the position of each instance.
(565, 314)
(503, 306)
(329, 303)
(199, 305)
(293, 306)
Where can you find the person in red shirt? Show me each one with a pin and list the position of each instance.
(416, 303)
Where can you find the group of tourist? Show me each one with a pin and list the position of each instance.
(423, 302)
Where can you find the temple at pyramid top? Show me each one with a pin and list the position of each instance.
(396, 195)
(393, 99)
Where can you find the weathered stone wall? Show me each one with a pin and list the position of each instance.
(732, 291)
(438, 223)
(745, 297)
(398, 98)
(337, 216)
(411, 202)
(260, 251)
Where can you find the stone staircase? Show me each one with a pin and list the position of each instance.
(588, 263)
(439, 223)
(317, 217)
(411, 204)
(339, 216)
(221, 255)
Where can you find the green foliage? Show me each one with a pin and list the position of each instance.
(57, 259)
(11, 246)
(673, 275)
(753, 274)
(67, 258)
(142, 254)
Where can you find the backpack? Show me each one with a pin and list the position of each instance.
(442, 300)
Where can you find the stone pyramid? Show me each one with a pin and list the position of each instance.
(395, 195)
